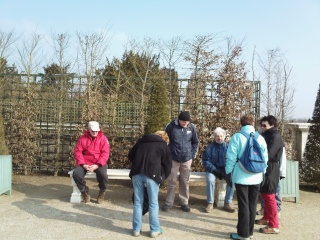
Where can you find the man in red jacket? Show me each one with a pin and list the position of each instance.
(92, 154)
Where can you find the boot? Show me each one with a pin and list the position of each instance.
(227, 207)
(85, 195)
(101, 195)
(209, 208)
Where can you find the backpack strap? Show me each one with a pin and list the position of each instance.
(256, 135)
(245, 134)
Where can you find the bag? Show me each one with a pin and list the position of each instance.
(145, 207)
(252, 159)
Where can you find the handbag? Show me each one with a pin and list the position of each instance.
(145, 207)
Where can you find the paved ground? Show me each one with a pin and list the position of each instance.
(39, 208)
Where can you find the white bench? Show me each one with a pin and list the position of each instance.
(123, 174)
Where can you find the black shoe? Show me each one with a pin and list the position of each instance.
(185, 208)
(165, 207)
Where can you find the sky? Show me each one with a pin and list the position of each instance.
(293, 26)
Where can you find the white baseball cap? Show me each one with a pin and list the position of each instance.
(94, 126)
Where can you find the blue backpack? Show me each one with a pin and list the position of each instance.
(252, 159)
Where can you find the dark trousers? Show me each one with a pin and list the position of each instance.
(247, 196)
(101, 173)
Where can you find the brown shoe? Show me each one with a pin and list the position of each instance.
(85, 195)
(209, 208)
(227, 207)
(269, 230)
(261, 222)
(101, 195)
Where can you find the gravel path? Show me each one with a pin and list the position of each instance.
(39, 208)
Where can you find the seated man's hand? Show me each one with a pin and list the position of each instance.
(86, 167)
(93, 167)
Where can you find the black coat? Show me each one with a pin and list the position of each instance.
(151, 156)
(275, 147)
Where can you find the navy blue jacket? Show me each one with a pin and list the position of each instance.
(184, 142)
(214, 156)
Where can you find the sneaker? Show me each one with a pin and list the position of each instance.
(261, 222)
(227, 207)
(237, 237)
(269, 230)
(260, 212)
(209, 208)
(101, 195)
(156, 234)
(166, 207)
(136, 233)
(85, 195)
(185, 208)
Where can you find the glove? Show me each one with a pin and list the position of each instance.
(218, 173)
(281, 177)
(228, 179)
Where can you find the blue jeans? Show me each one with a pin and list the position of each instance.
(139, 181)
(278, 198)
(211, 181)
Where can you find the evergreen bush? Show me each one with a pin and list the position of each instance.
(310, 166)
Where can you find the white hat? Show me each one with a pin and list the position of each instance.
(94, 126)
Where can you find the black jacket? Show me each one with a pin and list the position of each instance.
(275, 147)
(151, 156)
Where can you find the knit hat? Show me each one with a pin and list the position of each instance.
(94, 126)
(184, 116)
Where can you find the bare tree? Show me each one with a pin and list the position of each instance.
(30, 55)
(23, 133)
(233, 92)
(203, 59)
(7, 39)
(171, 53)
(142, 56)
(59, 92)
(92, 55)
(278, 87)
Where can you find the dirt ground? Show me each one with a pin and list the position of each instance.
(39, 208)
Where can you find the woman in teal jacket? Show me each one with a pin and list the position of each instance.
(247, 184)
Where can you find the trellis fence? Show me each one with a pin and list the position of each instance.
(60, 101)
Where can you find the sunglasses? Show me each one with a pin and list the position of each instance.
(263, 125)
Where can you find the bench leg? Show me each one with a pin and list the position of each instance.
(220, 192)
(75, 195)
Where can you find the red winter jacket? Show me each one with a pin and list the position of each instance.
(92, 150)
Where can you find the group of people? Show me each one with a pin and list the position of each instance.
(168, 155)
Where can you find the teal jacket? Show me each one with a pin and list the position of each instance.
(236, 147)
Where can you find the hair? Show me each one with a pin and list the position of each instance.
(272, 120)
(247, 119)
(163, 135)
(219, 130)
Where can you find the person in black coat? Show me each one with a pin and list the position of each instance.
(269, 187)
(151, 165)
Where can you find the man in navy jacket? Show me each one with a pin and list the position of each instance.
(183, 147)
